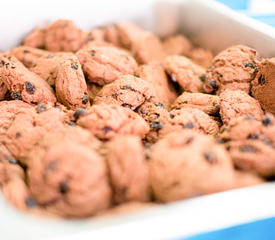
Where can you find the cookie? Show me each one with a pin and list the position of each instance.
(27, 129)
(147, 47)
(104, 64)
(3, 89)
(201, 56)
(63, 35)
(46, 66)
(93, 89)
(70, 84)
(209, 104)
(128, 169)
(127, 91)
(177, 45)
(263, 85)
(107, 121)
(186, 73)
(236, 104)
(187, 164)
(28, 55)
(251, 144)
(23, 84)
(35, 39)
(154, 73)
(234, 68)
(55, 183)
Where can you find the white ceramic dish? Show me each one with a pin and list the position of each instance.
(206, 22)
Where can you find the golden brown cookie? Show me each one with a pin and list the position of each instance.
(35, 39)
(154, 73)
(186, 73)
(104, 64)
(23, 84)
(233, 68)
(128, 169)
(70, 84)
(107, 121)
(187, 164)
(127, 91)
(209, 104)
(236, 104)
(263, 85)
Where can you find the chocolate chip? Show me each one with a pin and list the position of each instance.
(203, 78)
(253, 136)
(189, 125)
(41, 108)
(156, 125)
(16, 96)
(159, 104)
(85, 99)
(213, 84)
(63, 188)
(267, 121)
(248, 148)
(93, 53)
(126, 105)
(17, 135)
(172, 116)
(80, 112)
(126, 87)
(250, 64)
(107, 129)
(30, 202)
(11, 160)
(29, 87)
(220, 140)
(156, 115)
(74, 66)
(261, 80)
(210, 157)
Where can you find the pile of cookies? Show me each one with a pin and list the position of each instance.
(116, 119)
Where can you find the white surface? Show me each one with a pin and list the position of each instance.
(212, 25)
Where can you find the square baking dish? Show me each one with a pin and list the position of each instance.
(209, 24)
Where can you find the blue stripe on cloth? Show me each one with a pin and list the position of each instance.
(258, 230)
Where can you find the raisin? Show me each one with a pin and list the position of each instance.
(107, 129)
(253, 136)
(30, 88)
(17, 135)
(210, 157)
(267, 121)
(172, 116)
(26, 51)
(126, 87)
(213, 84)
(16, 96)
(80, 112)
(93, 53)
(126, 105)
(30, 202)
(220, 140)
(189, 140)
(159, 105)
(261, 80)
(248, 148)
(85, 99)
(203, 78)
(156, 125)
(41, 108)
(250, 64)
(11, 160)
(74, 66)
(189, 125)
(156, 115)
(63, 188)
